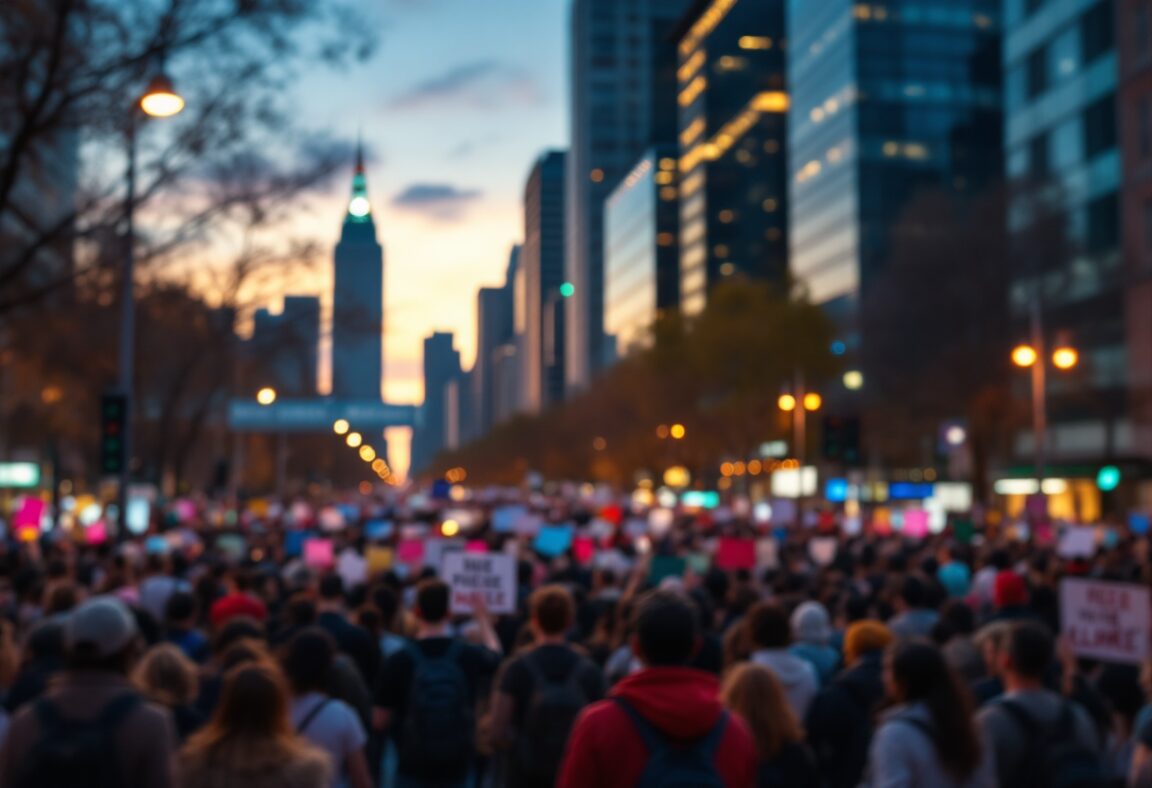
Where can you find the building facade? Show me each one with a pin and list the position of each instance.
(1134, 23)
(622, 77)
(441, 368)
(358, 300)
(887, 100)
(542, 261)
(286, 346)
(1061, 136)
(733, 105)
(494, 330)
(641, 249)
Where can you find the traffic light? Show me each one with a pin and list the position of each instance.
(842, 440)
(113, 417)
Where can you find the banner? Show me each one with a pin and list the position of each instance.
(1106, 621)
(493, 575)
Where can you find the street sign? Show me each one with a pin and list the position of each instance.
(24, 475)
(318, 415)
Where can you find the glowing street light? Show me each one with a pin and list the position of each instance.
(266, 396)
(1065, 358)
(812, 401)
(1024, 356)
(367, 453)
(160, 99)
(354, 439)
(341, 426)
(677, 431)
(786, 403)
(854, 380)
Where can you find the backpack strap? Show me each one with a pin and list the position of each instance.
(312, 715)
(656, 741)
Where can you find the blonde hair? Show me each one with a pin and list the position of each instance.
(753, 692)
(166, 676)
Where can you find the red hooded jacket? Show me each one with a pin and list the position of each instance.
(605, 749)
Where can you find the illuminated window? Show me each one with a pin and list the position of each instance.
(664, 178)
(692, 132)
(665, 239)
(693, 91)
(691, 66)
(597, 175)
(772, 101)
(891, 149)
(816, 115)
(727, 269)
(773, 234)
(755, 42)
(729, 63)
(726, 216)
(667, 164)
(720, 250)
(770, 205)
(771, 146)
(668, 193)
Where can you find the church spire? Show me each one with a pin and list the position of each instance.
(359, 208)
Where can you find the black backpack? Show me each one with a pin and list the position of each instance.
(673, 764)
(1055, 757)
(76, 753)
(548, 721)
(439, 724)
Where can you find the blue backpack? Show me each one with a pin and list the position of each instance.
(439, 726)
(675, 765)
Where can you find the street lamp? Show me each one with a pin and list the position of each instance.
(266, 396)
(800, 403)
(159, 100)
(341, 426)
(1031, 356)
(677, 431)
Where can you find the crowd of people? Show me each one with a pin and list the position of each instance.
(177, 659)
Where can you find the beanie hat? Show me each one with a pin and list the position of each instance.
(810, 624)
(1010, 590)
(863, 637)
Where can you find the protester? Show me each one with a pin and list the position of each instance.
(840, 719)
(350, 639)
(250, 742)
(1035, 733)
(238, 602)
(754, 693)
(158, 586)
(811, 632)
(180, 628)
(91, 727)
(915, 618)
(427, 694)
(167, 677)
(769, 633)
(928, 738)
(627, 739)
(327, 722)
(542, 692)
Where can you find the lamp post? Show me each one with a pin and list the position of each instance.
(159, 100)
(267, 396)
(800, 403)
(1033, 356)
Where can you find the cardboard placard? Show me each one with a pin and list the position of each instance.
(663, 566)
(318, 553)
(410, 551)
(1077, 542)
(1106, 621)
(735, 554)
(553, 540)
(379, 558)
(822, 550)
(493, 575)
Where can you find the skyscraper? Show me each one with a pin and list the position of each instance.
(886, 100)
(1061, 80)
(441, 367)
(494, 329)
(542, 261)
(286, 346)
(733, 133)
(622, 101)
(358, 303)
(641, 249)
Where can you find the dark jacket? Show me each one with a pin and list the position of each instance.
(839, 721)
(355, 642)
(792, 767)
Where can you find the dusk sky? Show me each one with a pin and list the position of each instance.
(459, 99)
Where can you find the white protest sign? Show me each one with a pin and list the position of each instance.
(1107, 621)
(490, 574)
(822, 550)
(1077, 542)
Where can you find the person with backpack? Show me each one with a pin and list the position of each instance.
(663, 726)
(542, 692)
(427, 693)
(92, 728)
(929, 738)
(1039, 738)
(329, 723)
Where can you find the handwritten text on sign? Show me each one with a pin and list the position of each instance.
(1108, 621)
(492, 575)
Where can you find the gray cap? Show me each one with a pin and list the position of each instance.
(104, 626)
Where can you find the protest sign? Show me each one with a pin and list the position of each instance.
(736, 554)
(294, 543)
(699, 563)
(493, 575)
(1106, 621)
(410, 551)
(916, 523)
(379, 558)
(352, 568)
(822, 550)
(378, 529)
(318, 553)
(436, 549)
(663, 566)
(476, 546)
(584, 548)
(504, 519)
(1077, 542)
(553, 540)
(768, 554)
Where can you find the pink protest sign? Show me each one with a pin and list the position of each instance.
(410, 552)
(97, 533)
(736, 554)
(584, 548)
(1104, 620)
(318, 553)
(29, 515)
(916, 523)
(476, 547)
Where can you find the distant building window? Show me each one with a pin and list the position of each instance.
(1096, 32)
(1100, 127)
(1103, 223)
(1037, 72)
(1039, 164)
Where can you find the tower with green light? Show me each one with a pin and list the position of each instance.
(358, 299)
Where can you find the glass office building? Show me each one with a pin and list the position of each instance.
(1061, 76)
(888, 99)
(641, 260)
(733, 136)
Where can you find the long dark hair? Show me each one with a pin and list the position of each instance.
(922, 676)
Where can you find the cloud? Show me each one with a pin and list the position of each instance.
(480, 84)
(441, 201)
(466, 148)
